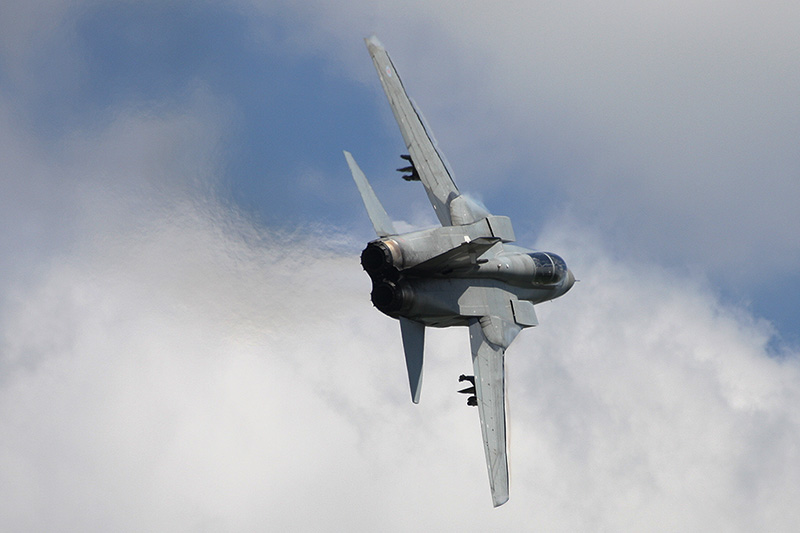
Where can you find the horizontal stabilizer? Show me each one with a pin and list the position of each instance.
(413, 334)
(377, 214)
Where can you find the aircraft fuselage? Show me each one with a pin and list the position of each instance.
(427, 276)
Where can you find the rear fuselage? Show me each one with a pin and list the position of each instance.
(434, 276)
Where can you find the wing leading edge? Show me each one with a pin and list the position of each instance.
(426, 159)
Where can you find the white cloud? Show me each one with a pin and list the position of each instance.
(175, 367)
(661, 403)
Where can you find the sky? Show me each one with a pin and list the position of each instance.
(186, 337)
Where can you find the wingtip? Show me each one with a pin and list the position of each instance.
(416, 388)
(373, 41)
(500, 501)
(415, 392)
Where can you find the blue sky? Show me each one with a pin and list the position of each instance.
(174, 199)
(293, 112)
(293, 108)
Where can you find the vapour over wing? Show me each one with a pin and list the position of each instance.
(425, 158)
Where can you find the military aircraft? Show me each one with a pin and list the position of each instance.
(465, 273)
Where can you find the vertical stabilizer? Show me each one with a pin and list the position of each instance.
(414, 344)
(377, 214)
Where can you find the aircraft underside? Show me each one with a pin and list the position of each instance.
(465, 273)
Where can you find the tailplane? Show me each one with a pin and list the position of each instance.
(377, 214)
(413, 344)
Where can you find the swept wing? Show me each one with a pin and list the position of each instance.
(488, 365)
(426, 159)
(500, 318)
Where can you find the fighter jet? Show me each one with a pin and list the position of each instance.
(465, 273)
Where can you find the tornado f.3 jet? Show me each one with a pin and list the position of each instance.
(465, 273)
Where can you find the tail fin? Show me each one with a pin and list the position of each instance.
(413, 334)
(377, 214)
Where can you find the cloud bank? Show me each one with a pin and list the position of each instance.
(173, 366)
